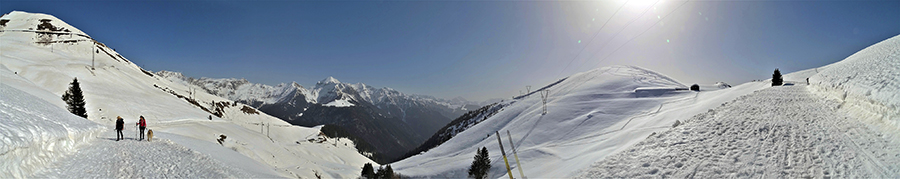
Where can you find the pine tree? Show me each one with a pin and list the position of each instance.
(481, 165)
(368, 171)
(776, 78)
(384, 172)
(388, 172)
(74, 99)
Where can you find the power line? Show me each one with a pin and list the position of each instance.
(592, 39)
(642, 33)
(623, 29)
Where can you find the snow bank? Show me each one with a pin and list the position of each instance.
(36, 133)
(868, 82)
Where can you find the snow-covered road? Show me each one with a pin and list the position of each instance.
(779, 132)
(129, 158)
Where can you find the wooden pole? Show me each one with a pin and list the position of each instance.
(508, 171)
(513, 146)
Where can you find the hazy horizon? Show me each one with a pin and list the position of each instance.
(477, 50)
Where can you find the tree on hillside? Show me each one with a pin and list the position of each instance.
(385, 173)
(776, 78)
(74, 99)
(368, 171)
(481, 165)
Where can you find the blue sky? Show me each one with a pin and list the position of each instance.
(476, 49)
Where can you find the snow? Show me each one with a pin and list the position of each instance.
(780, 132)
(843, 124)
(327, 92)
(339, 103)
(591, 115)
(117, 87)
(868, 82)
(35, 133)
(161, 158)
(329, 80)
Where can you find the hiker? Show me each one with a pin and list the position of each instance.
(120, 124)
(143, 125)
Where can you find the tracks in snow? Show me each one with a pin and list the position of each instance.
(779, 132)
(129, 158)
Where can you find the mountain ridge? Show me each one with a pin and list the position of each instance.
(394, 122)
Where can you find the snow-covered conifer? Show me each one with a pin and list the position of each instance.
(481, 165)
(74, 99)
(776, 78)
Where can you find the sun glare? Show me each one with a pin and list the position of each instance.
(640, 5)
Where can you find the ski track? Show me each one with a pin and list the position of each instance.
(779, 132)
(129, 158)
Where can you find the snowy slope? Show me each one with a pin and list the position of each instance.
(591, 115)
(35, 133)
(843, 124)
(117, 87)
(780, 132)
(868, 82)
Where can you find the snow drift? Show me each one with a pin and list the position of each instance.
(867, 81)
(35, 133)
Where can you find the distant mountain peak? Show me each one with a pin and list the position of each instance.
(329, 80)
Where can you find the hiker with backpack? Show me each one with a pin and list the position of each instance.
(142, 125)
(120, 125)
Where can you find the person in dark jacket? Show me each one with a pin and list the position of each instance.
(142, 125)
(120, 124)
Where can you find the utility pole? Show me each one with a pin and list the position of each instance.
(544, 95)
(528, 88)
(92, 54)
(513, 146)
(508, 171)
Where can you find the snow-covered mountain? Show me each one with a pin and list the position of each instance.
(389, 122)
(327, 92)
(40, 55)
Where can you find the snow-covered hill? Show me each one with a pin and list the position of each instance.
(854, 104)
(843, 124)
(868, 82)
(590, 116)
(44, 53)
